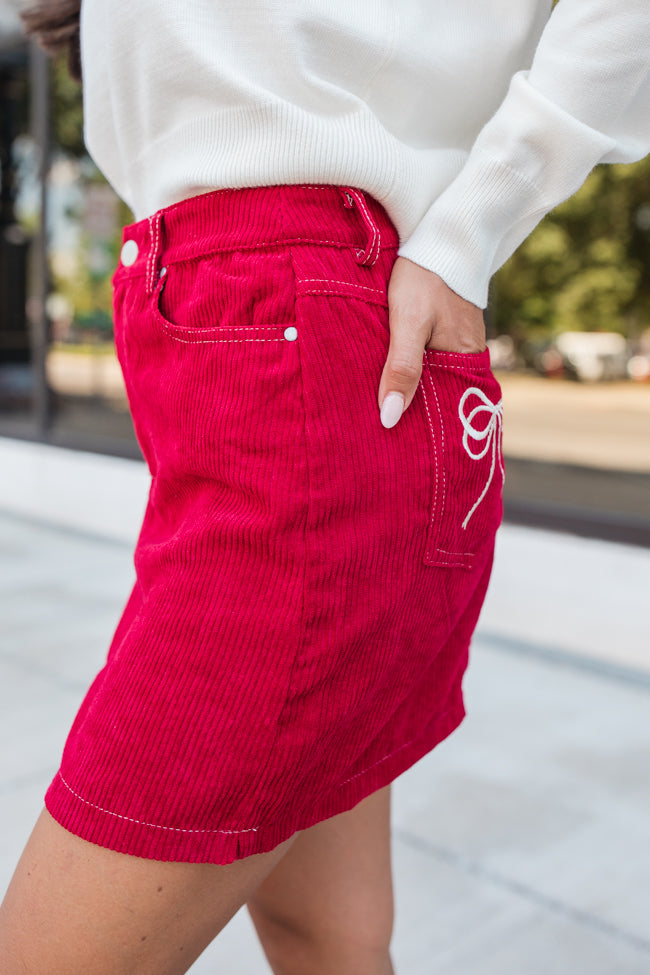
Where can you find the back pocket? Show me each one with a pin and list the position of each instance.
(464, 407)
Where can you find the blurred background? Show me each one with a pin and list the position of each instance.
(568, 319)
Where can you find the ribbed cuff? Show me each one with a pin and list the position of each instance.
(459, 235)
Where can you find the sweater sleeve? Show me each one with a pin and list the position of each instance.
(585, 100)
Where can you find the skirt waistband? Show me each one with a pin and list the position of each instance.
(257, 216)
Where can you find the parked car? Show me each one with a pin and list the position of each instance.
(587, 356)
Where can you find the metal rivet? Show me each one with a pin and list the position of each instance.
(291, 333)
(162, 271)
(129, 253)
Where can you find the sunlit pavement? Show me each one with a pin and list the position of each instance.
(603, 425)
(521, 843)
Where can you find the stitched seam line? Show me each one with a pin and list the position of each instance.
(457, 555)
(340, 293)
(154, 233)
(390, 754)
(177, 338)
(450, 565)
(371, 252)
(348, 284)
(435, 476)
(140, 822)
(465, 369)
(374, 764)
(376, 236)
(455, 355)
(444, 449)
(150, 220)
(465, 358)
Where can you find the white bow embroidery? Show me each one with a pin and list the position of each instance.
(491, 434)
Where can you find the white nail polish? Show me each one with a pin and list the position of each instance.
(391, 409)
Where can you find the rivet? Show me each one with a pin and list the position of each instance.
(129, 253)
(291, 333)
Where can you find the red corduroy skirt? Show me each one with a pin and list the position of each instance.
(307, 581)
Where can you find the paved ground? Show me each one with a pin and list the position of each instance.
(521, 843)
(602, 425)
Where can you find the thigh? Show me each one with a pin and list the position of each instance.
(73, 906)
(334, 885)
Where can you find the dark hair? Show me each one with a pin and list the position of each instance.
(54, 25)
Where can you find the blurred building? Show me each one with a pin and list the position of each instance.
(14, 71)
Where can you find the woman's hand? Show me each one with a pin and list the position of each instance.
(423, 313)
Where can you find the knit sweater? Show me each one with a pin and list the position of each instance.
(467, 120)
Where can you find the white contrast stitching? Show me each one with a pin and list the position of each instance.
(154, 234)
(451, 565)
(177, 338)
(348, 284)
(140, 822)
(147, 276)
(458, 555)
(375, 229)
(199, 340)
(435, 478)
(371, 252)
(464, 368)
(150, 221)
(444, 447)
(390, 755)
(343, 294)
(455, 355)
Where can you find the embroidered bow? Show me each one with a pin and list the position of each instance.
(491, 434)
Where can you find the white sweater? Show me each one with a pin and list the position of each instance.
(468, 119)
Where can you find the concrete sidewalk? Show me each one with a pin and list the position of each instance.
(521, 843)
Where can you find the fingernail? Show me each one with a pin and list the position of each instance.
(391, 409)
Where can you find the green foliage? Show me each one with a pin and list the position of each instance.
(585, 266)
(67, 108)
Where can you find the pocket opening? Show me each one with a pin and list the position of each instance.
(200, 333)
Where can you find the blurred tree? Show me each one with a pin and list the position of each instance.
(586, 266)
(67, 109)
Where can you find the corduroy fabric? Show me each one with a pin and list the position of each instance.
(307, 581)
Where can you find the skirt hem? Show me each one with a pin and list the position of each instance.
(124, 835)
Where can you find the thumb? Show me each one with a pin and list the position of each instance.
(401, 373)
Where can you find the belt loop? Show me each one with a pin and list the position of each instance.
(371, 252)
(155, 239)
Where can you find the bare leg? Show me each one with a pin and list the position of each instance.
(75, 907)
(327, 906)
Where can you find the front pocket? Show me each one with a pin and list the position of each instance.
(231, 296)
(463, 401)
